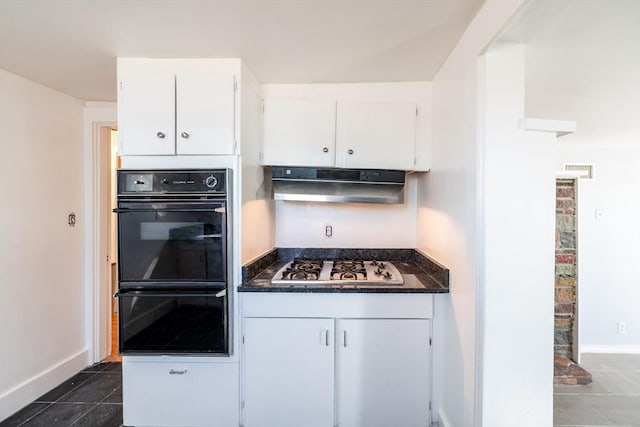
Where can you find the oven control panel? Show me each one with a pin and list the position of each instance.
(172, 181)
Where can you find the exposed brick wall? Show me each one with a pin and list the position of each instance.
(566, 273)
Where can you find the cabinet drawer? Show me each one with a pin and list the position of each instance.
(180, 393)
(399, 306)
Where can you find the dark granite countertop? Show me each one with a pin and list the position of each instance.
(420, 273)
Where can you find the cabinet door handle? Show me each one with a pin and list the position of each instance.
(324, 337)
(177, 372)
(350, 151)
(344, 338)
(160, 135)
(325, 150)
(184, 135)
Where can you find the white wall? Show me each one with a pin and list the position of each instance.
(517, 249)
(355, 225)
(42, 290)
(596, 85)
(448, 218)
(608, 246)
(258, 210)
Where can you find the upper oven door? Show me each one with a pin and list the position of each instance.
(172, 243)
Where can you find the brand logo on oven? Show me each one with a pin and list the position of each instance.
(183, 182)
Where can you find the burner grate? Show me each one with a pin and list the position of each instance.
(303, 269)
(348, 270)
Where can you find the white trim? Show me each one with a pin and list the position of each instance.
(481, 283)
(96, 115)
(559, 127)
(444, 420)
(24, 393)
(616, 349)
(568, 175)
(577, 319)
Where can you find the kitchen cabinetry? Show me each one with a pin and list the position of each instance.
(289, 369)
(356, 368)
(329, 133)
(376, 135)
(299, 132)
(184, 113)
(179, 393)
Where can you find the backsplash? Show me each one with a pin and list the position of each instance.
(354, 225)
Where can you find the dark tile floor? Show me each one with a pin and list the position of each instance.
(91, 398)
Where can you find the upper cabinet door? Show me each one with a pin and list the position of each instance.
(205, 112)
(299, 132)
(376, 135)
(146, 114)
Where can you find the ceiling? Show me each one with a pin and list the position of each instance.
(587, 48)
(72, 45)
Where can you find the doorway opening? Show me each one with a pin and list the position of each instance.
(104, 242)
(112, 163)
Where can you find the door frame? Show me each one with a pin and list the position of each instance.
(98, 117)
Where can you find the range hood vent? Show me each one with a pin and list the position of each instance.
(338, 185)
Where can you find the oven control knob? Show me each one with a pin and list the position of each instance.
(211, 181)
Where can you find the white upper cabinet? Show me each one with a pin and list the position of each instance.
(376, 135)
(205, 113)
(299, 132)
(319, 130)
(146, 114)
(175, 107)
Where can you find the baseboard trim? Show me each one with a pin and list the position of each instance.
(21, 395)
(619, 349)
(443, 420)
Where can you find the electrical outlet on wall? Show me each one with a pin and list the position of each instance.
(328, 231)
(622, 327)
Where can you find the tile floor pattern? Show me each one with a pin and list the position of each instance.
(613, 399)
(91, 398)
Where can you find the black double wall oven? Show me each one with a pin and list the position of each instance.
(174, 261)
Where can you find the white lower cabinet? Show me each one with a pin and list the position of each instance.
(382, 372)
(179, 393)
(325, 372)
(288, 368)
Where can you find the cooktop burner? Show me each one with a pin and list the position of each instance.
(302, 269)
(337, 273)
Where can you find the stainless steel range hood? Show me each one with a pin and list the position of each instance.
(338, 185)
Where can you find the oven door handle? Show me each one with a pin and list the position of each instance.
(212, 293)
(129, 210)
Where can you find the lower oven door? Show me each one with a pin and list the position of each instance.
(162, 322)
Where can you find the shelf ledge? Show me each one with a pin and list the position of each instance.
(559, 127)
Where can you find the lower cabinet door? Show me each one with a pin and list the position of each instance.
(382, 372)
(180, 394)
(288, 372)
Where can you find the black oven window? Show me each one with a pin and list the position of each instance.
(151, 323)
(170, 246)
